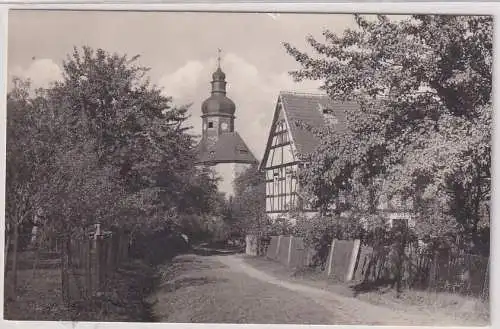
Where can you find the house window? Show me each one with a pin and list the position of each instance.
(210, 124)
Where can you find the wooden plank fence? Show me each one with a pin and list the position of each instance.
(350, 261)
(289, 251)
(89, 263)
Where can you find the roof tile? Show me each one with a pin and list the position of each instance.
(307, 109)
(229, 148)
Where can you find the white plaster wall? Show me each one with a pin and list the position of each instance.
(228, 172)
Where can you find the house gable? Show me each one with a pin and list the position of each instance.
(280, 165)
(291, 136)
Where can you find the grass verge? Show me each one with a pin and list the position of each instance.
(39, 297)
(470, 309)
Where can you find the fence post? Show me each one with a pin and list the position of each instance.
(118, 241)
(119, 248)
(65, 254)
(277, 247)
(354, 258)
(485, 292)
(330, 258)
(125, 244)
(98, 262)
(289, 251)
(109, 256)
(115, 250)
(88, 266)
(432, 278)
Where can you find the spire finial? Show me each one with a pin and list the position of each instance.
(218, 57)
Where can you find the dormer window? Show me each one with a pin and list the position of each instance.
(323, 109)
(328, 113)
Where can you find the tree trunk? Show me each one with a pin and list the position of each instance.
(401, 256)
(37, 260)
(65, 253)
(7, 249)
(14, 259)
(88, 267)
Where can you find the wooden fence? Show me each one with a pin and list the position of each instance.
(90, 263)
(290, 251)
(82, 265)
(438, 271)
(349, 261)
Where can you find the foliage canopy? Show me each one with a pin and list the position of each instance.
(103, 145)
(423, 132)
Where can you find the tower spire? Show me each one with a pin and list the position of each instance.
(218, 57)
(218, 77)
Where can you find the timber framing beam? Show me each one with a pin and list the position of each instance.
(288, 164)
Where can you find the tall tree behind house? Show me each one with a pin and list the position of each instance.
(424, 87)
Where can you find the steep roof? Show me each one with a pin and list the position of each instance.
(229, 148)
(308, 109)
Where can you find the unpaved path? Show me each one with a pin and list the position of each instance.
(352, 310)
(224, 289)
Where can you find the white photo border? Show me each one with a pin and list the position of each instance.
(423, 7)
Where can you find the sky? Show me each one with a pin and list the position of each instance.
(181, 50)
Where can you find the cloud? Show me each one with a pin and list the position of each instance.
(180, 82)
(41, 72)
(253, 90)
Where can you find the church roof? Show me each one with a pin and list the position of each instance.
(229, 148)
(304, 108)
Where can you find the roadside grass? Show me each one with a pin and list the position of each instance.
(39, 297)
(470, 309)
(310, 276)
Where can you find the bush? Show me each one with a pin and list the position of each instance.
(155, 248)
(318, 233)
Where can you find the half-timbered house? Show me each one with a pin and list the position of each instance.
(290, 138)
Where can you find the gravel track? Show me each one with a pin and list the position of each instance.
(225, 289)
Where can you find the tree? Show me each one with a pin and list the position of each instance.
(28, 159)
(249, 203)
(101, 146)
(135, 136)
(423, 129)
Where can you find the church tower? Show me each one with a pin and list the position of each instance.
(217, 110)
(221, 147)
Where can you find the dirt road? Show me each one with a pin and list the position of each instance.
(224, 289)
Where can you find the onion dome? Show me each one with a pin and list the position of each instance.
(218, 75)
(218, 102)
